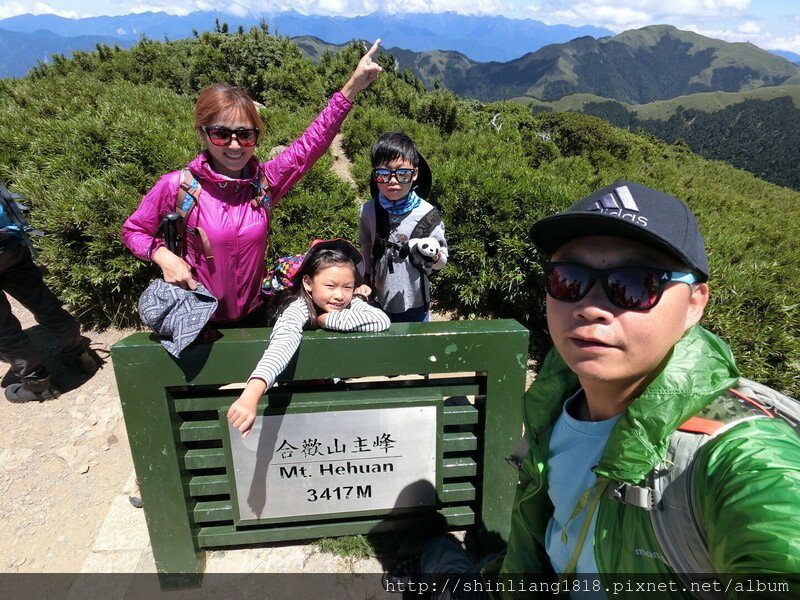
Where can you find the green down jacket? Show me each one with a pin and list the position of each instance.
(747, 480)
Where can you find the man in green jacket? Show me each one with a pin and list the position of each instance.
(626, 287)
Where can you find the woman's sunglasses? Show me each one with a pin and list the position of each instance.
(222, 136)
(631, 288)
(402, 176)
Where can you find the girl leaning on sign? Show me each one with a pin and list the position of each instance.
(323, 297)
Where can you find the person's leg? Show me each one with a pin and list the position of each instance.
(419, 314)
(444, 555)
(15, 345)
(25, 283)
(445, 561)
(29, 379)
(444, 567)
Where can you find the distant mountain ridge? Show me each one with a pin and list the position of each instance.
(637, 66)
(21, 51)
(484, 38)
(790, 56)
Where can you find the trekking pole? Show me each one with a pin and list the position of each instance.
(172, 236)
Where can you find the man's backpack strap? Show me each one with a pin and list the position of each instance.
(681, 539)
(669, 488)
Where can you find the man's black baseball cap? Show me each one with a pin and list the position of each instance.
(633, 211)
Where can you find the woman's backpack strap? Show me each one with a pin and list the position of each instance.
(187, 198)
(262, 195)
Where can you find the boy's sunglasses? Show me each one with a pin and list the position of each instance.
(401, 175)
(222, 136)
(631, 288)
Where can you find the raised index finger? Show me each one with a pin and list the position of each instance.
(371, 52)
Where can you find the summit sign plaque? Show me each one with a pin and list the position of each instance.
(324, 463)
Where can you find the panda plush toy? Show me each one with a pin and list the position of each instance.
(423, 252)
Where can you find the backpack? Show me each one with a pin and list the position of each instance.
(423, 228)
(280, 278)
(187, 198)
(668, 492)
(14, 212)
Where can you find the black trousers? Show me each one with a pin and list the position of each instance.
(22, 279)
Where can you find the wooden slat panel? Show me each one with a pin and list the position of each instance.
(458, 492)
(378, 389)
(459, 467)
(206, 458)
(461, 414)
(207, 512)
(228, 535)
(459, 441)
(209, 485)
(200, 431)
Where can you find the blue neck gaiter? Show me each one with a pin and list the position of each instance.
(400, 207)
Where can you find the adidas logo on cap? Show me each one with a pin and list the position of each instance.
(620, 203)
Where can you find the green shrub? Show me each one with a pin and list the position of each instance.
(89, 152)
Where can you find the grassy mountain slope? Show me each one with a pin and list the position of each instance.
(86, 137)
(757, 130)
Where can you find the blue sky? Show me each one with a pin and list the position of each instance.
(770, 24)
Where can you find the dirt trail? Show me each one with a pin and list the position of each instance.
(61, 461)
(342, 165)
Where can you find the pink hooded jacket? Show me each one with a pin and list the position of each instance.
(237, 231)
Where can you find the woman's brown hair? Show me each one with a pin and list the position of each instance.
(221, 99)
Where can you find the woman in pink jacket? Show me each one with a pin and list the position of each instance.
(226, 231)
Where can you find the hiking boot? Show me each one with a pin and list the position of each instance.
(84, 362)
(403, 575)
(10, 378)
(32, 389)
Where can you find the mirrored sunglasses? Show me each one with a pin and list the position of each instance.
(631, 288)
(222, 136)
(401, 175)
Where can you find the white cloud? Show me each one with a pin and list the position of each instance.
(762, 39)
(349, 8)
(629, 14)
(791, 44)
(749, 28)
(181, 7)
(614, 18)
(12, 9)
